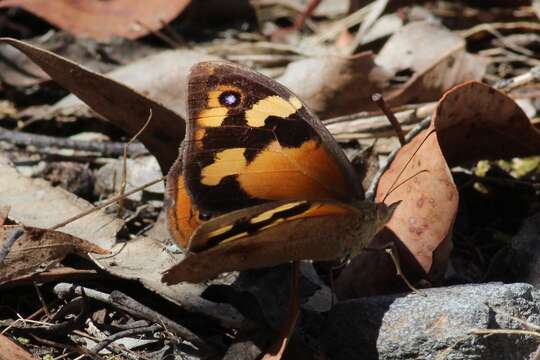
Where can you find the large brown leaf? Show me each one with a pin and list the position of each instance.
(102, 20)
(471, 122)
(124, 107)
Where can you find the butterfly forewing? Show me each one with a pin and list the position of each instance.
(250, 140)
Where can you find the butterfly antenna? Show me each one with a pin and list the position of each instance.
(403, 182)
(405, 167)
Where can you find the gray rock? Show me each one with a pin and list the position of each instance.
(435, 326)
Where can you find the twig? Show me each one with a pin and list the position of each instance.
(504, 331)
(105, 148)
(367, 122)
(136, 308)
(159, 34)
(6, 246)
(520, 80)
(123, 182)
(132, 307)
(105, 204)
(227, 317)
(42, 300)
(73, 348)
(378, 99)
(370, 193)
(122, 334)
(375, 12)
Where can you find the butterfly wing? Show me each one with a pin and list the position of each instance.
(250, 140)
(270, 234)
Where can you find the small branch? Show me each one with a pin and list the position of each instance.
(125, 333)
(6, 246)
(136, 308)
(371, 191)
(125, 303)
(520, 80)
(504, 331)
(123, 183)
(378, 99)
(105, 204)
(105, 148)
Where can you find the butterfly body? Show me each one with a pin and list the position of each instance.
(260, 181)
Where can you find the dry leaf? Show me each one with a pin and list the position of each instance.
(119, 104)
(474, 121)
(4, 212)
(433, 57)
(9, 350)
(17, 70)
(471, 122)
(161, 77)
(38, 249)
(34, 202)
(341, 85)
(102, 20)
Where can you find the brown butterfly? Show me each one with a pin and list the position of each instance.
(260, 181)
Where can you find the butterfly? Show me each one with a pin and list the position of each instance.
(260, 181)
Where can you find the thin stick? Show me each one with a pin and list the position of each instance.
(125, 333)
(123, 183)
(378, 99)
(105, 148)
(159, 34)
(371, 191)
(6, 246)
(504, 331)
(42, 300)
(520, 80)
(105, 204)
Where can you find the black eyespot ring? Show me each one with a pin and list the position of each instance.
(204, 216)
(230, 98)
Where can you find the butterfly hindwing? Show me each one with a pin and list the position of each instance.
(267, 235)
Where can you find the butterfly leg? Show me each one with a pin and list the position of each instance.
(332, 270)
(391, 250)
(278, 348)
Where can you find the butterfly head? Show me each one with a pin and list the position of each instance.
(383, 213)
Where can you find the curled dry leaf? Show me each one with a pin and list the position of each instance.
(434, 57)
(124, 107)
(341, 86)
(161, 77)
(38, 249)
(102, 20)
(471, 122)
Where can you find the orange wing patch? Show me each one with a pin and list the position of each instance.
(307, 172)
(183, 217)
(271, 106)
